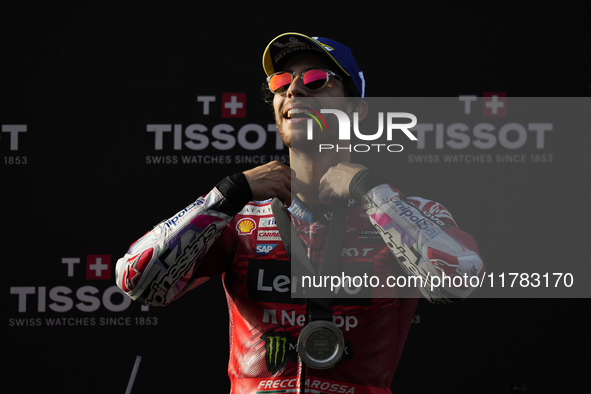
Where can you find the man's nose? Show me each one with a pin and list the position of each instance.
(296, 88)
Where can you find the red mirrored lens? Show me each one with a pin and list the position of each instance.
(315, 79)
(280, 82)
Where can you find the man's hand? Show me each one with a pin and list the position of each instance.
(335, 183)
(271, 180)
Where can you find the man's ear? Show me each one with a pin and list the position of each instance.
(361, 109)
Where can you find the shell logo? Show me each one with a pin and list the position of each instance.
(245, 226)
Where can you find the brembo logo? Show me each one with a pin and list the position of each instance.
(345, 123)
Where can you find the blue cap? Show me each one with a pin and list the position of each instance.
(284, 45)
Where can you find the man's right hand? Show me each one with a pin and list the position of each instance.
(271, 180)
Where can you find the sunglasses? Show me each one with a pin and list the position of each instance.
(314, 80)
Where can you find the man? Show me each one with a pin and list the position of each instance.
(278, 343)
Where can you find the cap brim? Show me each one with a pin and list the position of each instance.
(268, 63)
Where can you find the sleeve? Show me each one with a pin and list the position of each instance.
(424, 238)
(166, 262)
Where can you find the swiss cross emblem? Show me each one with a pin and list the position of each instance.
(98, 266)
(494, 104)
(233, 105)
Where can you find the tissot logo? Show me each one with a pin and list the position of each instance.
(486, 126)
(70, 296)
(223, 136)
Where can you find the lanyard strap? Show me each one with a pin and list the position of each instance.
(301, 264)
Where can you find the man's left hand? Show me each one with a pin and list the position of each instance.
(335, 183)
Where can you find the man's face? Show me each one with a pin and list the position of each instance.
(282, 103)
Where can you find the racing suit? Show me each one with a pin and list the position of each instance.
(221, 233)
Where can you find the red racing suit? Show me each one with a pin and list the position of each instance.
(385, 233)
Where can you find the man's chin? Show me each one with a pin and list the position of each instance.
(299, 141)
(294, 133)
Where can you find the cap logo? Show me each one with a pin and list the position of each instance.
(327, 47)
(292, 41)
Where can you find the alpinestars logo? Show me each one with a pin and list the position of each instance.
(279, 347)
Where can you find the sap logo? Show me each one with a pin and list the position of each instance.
(265, 248)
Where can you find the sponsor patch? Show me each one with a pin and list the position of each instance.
(265, 248)
(268, 235)
(267, 222)
(351, 231)
(256, 210)
(178, 218)
(245, 226)
(370, 235)
(279, 347)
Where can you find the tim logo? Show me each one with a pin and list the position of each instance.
(265, 248)
(279, 347)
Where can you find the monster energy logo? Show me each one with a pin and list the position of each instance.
(279, 348)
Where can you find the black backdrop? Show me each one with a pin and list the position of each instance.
(80, 181)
